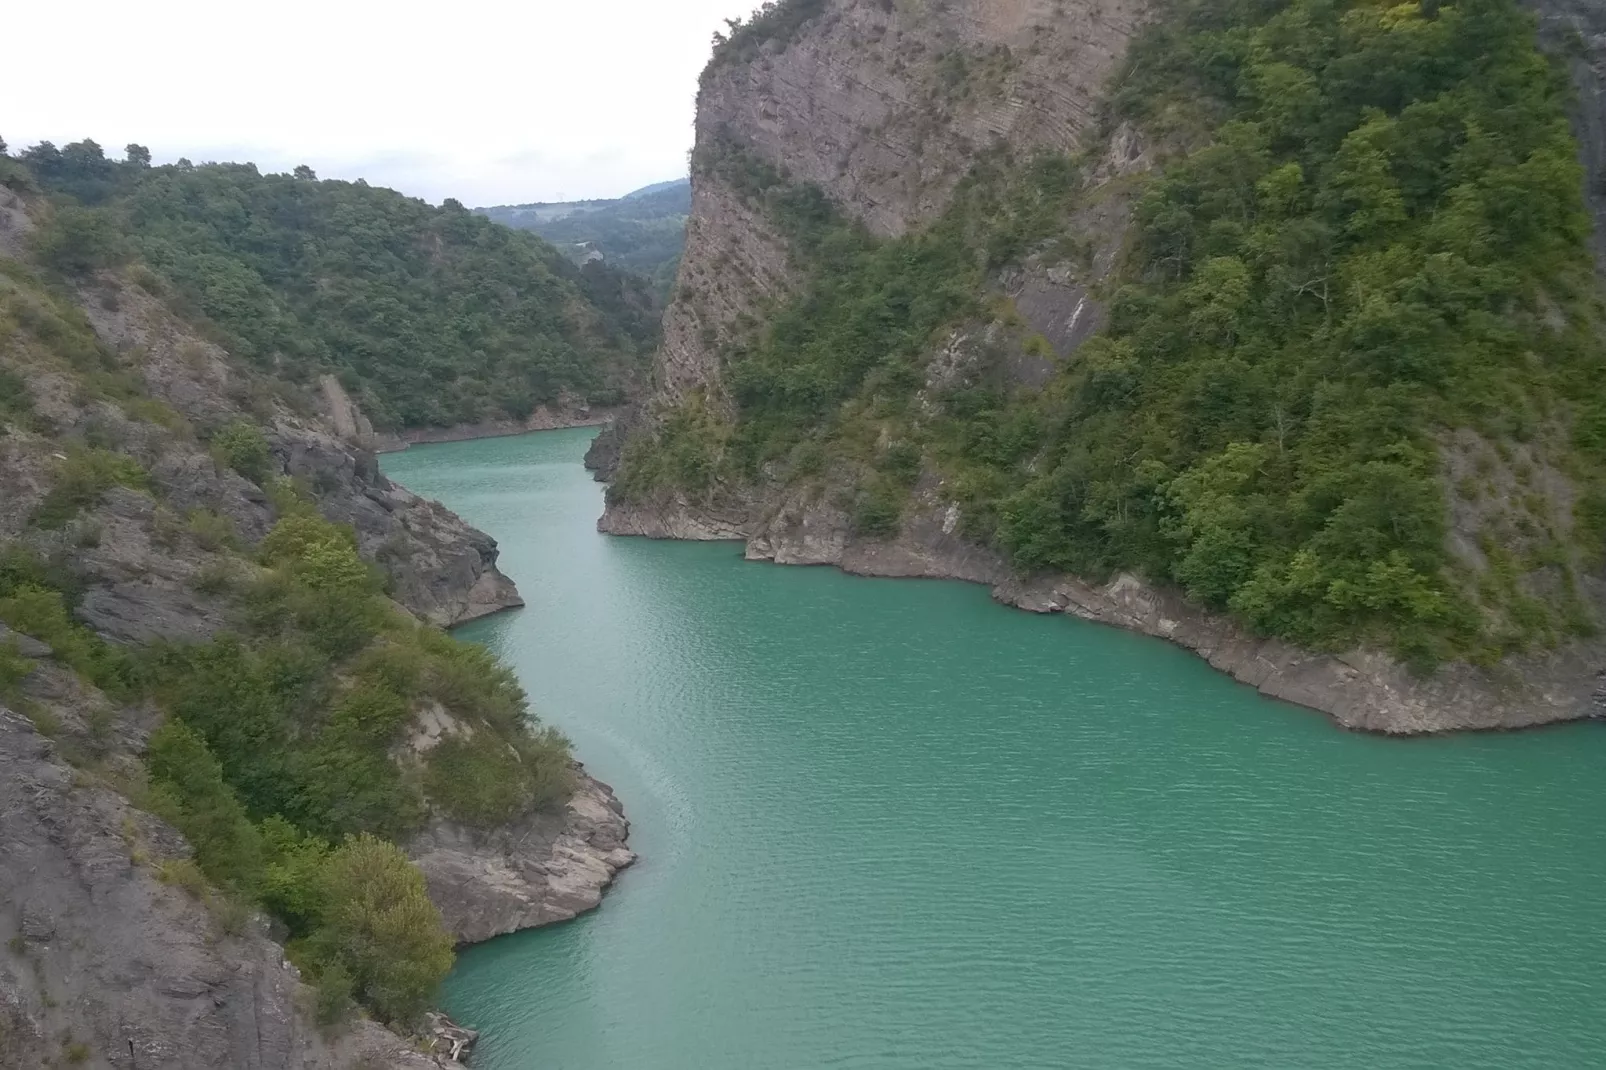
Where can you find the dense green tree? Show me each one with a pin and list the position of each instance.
(430, 315)
(376, 922)
(241, 446)
(192, 793)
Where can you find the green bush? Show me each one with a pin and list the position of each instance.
(80, 480)
(41, 612)
(775, 20)
(16, 403)
(878, 509)
(78, 241)
(488, 780)
(240, 445)
(211, 530)
(377, 924)
(190, 792)
(334, 1003)
(14, 668)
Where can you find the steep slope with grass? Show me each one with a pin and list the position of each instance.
(226, 709)
(1271, 329)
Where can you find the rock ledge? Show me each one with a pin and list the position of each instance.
(548, 867)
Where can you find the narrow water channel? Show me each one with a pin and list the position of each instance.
(890, 825)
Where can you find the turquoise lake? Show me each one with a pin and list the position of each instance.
(890, 824)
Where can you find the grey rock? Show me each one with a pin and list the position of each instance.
(25, 645)
(97, 949)
(548, 867)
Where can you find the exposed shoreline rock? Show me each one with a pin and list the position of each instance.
(543, 418)
(548, 867)
(1362, 690)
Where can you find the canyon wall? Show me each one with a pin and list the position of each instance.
(883, 106)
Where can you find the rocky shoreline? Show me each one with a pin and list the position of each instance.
(548, 868)
(1361, 690)
(545, 868)
(542, 419)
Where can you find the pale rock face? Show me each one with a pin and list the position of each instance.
(735, 262)
(545, 868)
(883, 104)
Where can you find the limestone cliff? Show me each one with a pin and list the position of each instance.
(883, 107)
(549, 867)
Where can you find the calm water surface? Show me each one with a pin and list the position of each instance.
(888, 824)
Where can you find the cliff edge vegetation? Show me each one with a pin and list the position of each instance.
(1304, 324)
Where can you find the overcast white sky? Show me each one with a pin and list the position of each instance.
(489, 102)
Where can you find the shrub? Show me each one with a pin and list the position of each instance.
(77, 241)
(41, 612)
(878, 510)
(212, 531)
(486, 780)
(189, 790)
(333, 1004)
(376, 922)
(14, 668)
(81, 479)
(16, 403)
(241, 445)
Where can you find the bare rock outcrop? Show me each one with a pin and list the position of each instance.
(548, 867)
(882, 105)
(104, 965)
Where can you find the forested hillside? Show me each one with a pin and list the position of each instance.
(429, 316)
(220, 616)
(1307, 327)
(642, 232)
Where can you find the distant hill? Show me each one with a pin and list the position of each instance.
(643, 231)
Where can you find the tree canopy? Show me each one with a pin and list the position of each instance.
(431, 316)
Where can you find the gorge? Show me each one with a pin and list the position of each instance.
(887, 823)
(1274, 330)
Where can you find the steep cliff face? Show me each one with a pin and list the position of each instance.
(1575, 32)
(884, 107)
(889, 110)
